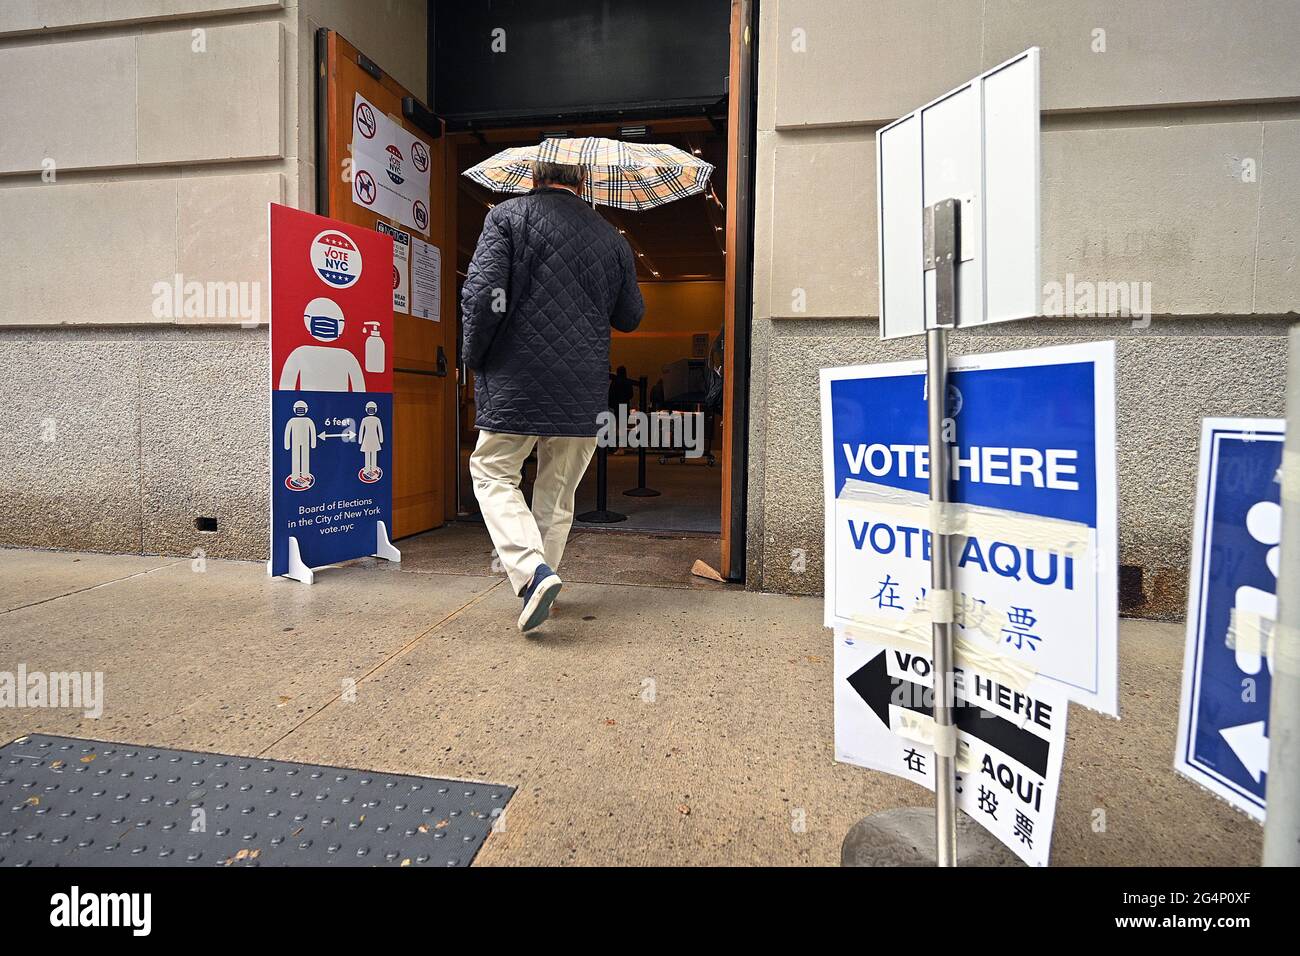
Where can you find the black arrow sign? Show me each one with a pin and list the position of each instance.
(873, 684)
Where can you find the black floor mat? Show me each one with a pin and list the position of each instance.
(69, 802)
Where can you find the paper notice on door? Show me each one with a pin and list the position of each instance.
(426, 280)
(390, 167)
(401, 266)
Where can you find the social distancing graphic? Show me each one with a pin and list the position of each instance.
(299, 440)
(371, 437)
(331, 392)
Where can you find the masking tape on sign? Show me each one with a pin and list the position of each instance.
(977, 642)
(1250, 632)
(1285, 656)
(941, 517)
(1290, 475)
(921, 729)
(976, 647)
(972, 521)
(945, 740)
(940, 603)
(912, 726)
(891, 635)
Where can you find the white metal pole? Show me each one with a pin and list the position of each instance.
(943, 230)
(945, 762)
(1282, 822)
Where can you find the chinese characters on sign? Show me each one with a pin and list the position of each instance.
(1010, 744)
(1031, 533)
(1032, 526)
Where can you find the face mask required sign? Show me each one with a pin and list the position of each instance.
(1032, 525)
(331, 392)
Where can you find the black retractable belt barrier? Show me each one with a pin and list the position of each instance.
(602, 514)
(641, 491)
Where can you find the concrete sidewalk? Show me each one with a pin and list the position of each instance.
(646, 725)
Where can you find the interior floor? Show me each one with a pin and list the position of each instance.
(688, 497)
(591, 557)
(680, 259)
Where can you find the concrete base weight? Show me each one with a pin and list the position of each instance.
(905, 837)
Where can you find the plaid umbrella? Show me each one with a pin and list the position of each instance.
(624, 175)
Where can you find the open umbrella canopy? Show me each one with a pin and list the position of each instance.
(619, 174)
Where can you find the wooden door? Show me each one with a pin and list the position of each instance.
(739, 285)
(424, 351)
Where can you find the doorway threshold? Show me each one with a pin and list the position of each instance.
(593, 556)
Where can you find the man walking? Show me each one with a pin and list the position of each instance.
(547, 281)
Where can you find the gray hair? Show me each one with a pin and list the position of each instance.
(556, 174)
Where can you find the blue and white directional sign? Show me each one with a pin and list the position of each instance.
(1032, 526)
(1231, 607)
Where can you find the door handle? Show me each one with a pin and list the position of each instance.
(440, 372)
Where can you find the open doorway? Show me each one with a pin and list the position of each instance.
(665, 375)
(645, 78)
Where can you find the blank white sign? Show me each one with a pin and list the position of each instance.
(978, 143)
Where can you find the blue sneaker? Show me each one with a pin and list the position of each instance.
(539, 597)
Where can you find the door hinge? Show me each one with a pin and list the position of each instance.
(370, 66)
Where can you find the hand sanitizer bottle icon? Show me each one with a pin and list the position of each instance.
(374, 348)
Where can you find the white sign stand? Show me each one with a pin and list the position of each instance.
(958, 224)
(298, 568)
(384, 548)
(301, 572)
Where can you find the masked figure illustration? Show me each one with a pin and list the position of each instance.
(371, 438)
(299, 440)
(323, 368)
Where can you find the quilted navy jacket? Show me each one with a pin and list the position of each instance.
(548, 279)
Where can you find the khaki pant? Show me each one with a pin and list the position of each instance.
(523, 538)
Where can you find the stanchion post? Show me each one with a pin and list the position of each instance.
(641, 491)
(602, 514)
